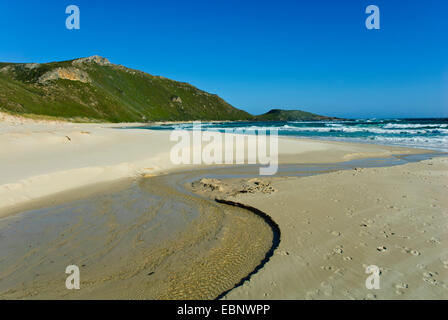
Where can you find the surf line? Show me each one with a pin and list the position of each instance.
(275, 241)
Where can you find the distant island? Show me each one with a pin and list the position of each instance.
(93, 89)
(291, 115)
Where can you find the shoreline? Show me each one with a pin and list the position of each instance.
(39, 159)
(100, 144)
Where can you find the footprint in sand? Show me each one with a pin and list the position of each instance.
(339, 272)
(429, 277)
(384, 269)
(338, 250)
(410, 251)
(363, 225)
(434, 240)
(327, 268)
(431, 281)
(400, 288)
(350, 212)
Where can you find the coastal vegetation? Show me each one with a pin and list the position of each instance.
(94, 90)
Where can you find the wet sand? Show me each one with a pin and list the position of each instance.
(149, 241)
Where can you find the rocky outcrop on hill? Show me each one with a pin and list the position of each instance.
(176, 99)
(72, 74)
(93, 59)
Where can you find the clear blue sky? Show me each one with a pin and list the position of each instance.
(314, 55)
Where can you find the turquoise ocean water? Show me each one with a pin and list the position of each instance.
(417, 133)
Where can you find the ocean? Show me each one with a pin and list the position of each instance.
(415, 133)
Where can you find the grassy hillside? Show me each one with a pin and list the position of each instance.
(290, 115)
(94, 89)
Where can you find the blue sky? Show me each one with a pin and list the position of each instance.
(312, 55)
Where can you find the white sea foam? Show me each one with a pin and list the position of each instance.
(414, 125)
(429, 135)
(434, 143)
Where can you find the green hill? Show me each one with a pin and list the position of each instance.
(94, 89)
(291, 115)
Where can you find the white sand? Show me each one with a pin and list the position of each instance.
(335, 225)
(40, 158)
(331, 224)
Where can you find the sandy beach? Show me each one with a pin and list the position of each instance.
(332, 225)
(41, 158)
(335, 225)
